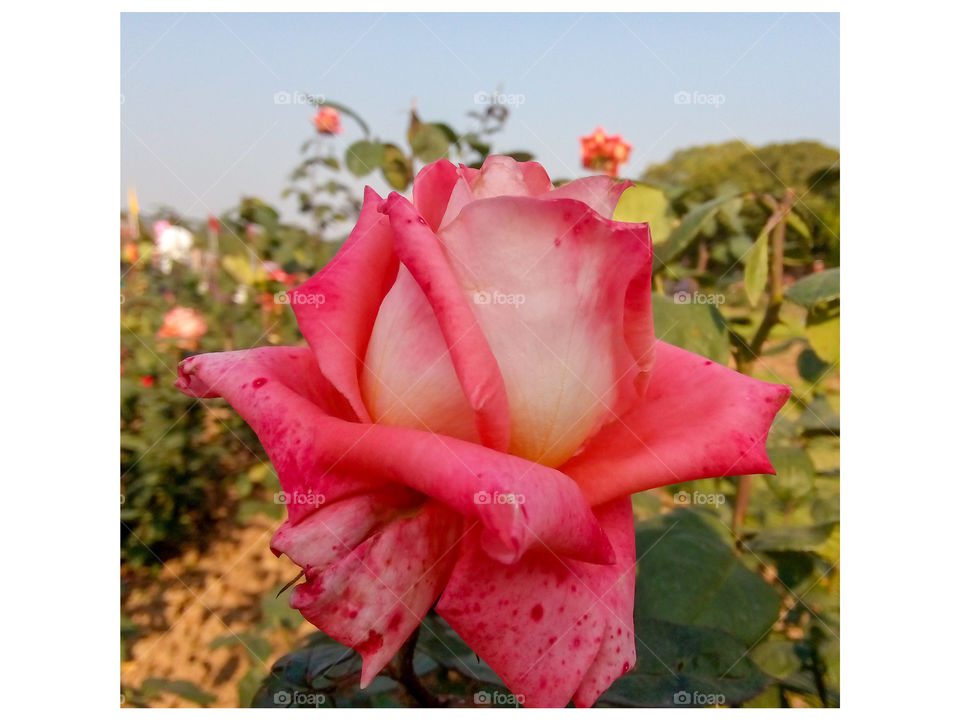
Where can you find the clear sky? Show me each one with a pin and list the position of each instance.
(200, 127)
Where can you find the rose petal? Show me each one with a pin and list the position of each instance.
(552, 628)
(698, 419)
(277, 390)
(599, 192)
(549, 282)
(408, 377)
(422, 254)
(499, 175)
(335, 529)
(337, 307)
(281, 394)
(375, 596)
(432, 188)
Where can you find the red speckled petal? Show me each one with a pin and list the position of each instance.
(698, 419)
(422, 254)
(549, 280)
(552, 628)
(281, 394)
(618, 652)
(276, 389)
(335, 529)
(337, 307)
(375, 596)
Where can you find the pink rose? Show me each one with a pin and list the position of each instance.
(327, 121)
(183, 322)
(482, 393)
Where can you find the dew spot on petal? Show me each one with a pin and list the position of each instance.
(536, 612)
(259, 382)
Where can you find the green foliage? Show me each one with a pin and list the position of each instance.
(645, 203)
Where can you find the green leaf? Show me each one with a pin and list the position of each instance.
(363, 157)
(396, 168)
(799, 226)
(519, 155)
(687, 231)
(430, 143)
(683, 666)
(781, 539)
(183, 688)
(823, 331)
(816, 288)
(645, 203)
(694, 326)
(756, 268)
(689, 575)
(795, 473)
(777, 657)
(249, 684)
(440, 642)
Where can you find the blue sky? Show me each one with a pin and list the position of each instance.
(200, 127)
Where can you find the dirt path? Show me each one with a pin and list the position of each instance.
(198, 598)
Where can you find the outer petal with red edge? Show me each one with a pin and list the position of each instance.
(281, 394)
(698, 419)
(275, 390)
(337, 307)
(599, 192)
(374, 597)
(549, 280)
(552, 628)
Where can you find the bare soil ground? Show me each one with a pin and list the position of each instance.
(197, 598)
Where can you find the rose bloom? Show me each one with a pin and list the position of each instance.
(184, 323)
(327, 120)
(600, 151)
(173, 244)
(481, 394)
